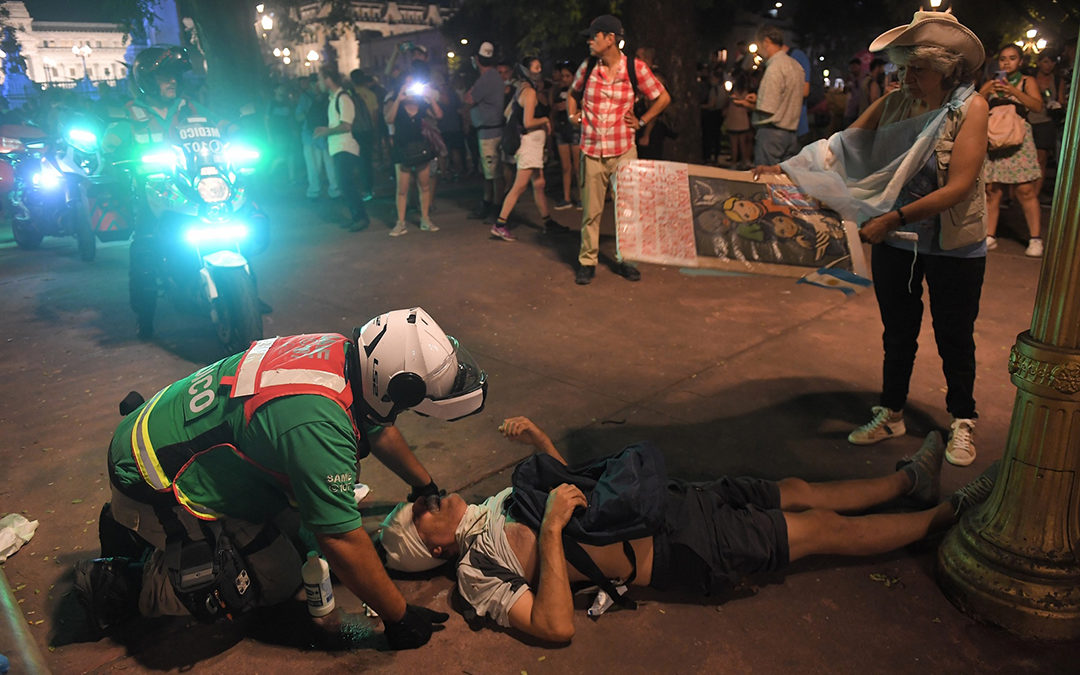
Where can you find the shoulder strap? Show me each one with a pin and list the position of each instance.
(585, 80)
(576, 556)
(631, 72)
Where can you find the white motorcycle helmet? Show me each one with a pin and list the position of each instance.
(408, 362)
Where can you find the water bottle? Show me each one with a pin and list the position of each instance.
(320, 593)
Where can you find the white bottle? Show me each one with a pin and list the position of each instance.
(320, 592)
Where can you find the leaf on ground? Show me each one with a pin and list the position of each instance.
(887, 580)
(76, 501)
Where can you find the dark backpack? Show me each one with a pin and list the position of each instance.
(626, 493)
(361, 124)
(513, 130)
(631, 73)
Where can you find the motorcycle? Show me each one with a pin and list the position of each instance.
(49, 184)
(205, 226)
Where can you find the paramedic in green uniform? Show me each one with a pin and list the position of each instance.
(229, 456)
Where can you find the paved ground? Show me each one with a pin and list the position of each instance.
(728, 373)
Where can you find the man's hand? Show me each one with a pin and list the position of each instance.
(320, 132)
(415, 628)
(876, 229)
(430, 493)
(750, 98)
(522, 430)
(631, 120)
(560, 506)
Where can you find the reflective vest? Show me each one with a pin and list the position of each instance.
(270, 369)
(287, 366)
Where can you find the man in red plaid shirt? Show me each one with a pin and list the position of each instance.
(608, 125)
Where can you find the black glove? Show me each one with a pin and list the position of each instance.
(415, 628)
(429, 490)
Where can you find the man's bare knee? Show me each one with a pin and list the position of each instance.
(814, 531)
(794, 494)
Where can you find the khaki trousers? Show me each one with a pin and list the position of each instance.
(596, 176)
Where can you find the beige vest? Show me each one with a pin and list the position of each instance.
(963, 223)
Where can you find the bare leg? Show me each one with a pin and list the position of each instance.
(539, 183)
(993, 208)
(521, 181)
(1029, 203)
(404, 178)
(842, 495)
(819, 531)
(426, 184)
(567, 170)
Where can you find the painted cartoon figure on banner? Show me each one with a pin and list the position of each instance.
(773, 223)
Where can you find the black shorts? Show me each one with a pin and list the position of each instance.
(1045, 135)
(718, 532)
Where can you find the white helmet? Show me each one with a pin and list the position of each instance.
(407, 361)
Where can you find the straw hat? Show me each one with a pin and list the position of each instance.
(939, 29)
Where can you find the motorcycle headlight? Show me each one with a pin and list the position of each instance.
(241, 155)
(213, 189)
(46, 179)
(82, 140)
(216, 233)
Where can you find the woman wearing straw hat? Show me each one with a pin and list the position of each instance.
(909, 169)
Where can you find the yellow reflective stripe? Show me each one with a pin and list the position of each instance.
(147, 461)
(198, 510)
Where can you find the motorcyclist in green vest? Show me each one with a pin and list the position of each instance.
(154, 79)
(218, 479)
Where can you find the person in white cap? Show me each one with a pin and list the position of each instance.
(711, 533)
(486, 102)
(910, 170)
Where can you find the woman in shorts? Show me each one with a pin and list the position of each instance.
(530, 155)
(567, 139)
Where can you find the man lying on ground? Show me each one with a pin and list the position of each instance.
(713, 532)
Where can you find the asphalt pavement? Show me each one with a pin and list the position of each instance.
(728, 373)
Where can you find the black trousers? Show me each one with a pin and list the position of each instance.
(350, 172)
(955, 285)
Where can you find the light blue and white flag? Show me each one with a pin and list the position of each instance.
(841, 280)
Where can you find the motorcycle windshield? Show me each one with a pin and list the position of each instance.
(200, 143)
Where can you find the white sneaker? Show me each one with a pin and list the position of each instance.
(1035, 248)
(885, 424)
(399, 229)
(991, 242)
(427, 226)
(960, 450)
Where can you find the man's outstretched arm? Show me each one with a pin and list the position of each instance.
(524, 430)
(549, 613)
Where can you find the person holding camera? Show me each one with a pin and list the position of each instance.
(412, 153)
(1018, 165)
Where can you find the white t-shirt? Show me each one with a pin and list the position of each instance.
(490, 577)
(341, 110)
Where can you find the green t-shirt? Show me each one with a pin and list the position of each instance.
(298, 450)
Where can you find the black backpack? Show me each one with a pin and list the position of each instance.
(626, 493)
(513, 130)
(361, 124)
(631, 73)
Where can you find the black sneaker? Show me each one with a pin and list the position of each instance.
(359, 225)
(107, 590)
(976, 492)
(924, 467)
(584, 275)
(482, 212)
(553, 227)
(628, 272)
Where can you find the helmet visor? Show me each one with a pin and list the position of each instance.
(466, 392)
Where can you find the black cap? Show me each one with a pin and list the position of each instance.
(605, 23)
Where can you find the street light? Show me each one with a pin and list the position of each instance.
(464, 41)
(267, 22)
(82, 51)
(259, 8)
(286, 51)
(934, 4)
(286, 60)
(313, 55)
(277, 52)
(450, 55)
